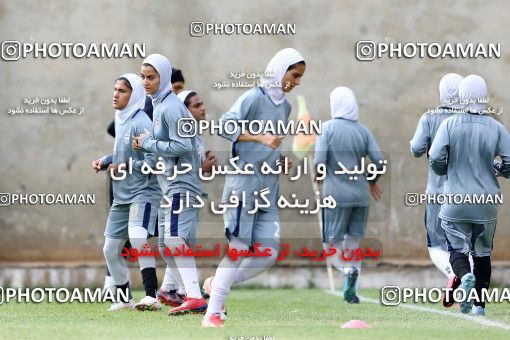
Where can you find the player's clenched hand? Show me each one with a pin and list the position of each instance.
(375, 191)
(270, 140)
(209, 162)
(137, 141)
(284, 159)
(97, 165)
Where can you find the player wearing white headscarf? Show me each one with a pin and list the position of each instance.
(420, 144)
(344, 139)
(464, 150)
(265, 103)
(193, 102)
(165, 140)
(136, 197)
(273, 80)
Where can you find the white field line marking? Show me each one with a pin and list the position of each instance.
(479, 319)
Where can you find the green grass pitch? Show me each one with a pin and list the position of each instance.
(253, 314)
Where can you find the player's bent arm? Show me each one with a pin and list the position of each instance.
(421, 139)
(144, 125)
(321, 148)
(438, 158)
(172, 148)
(248, 137)
(102, 163)
(268, 140)
(107, 160)
(375, 154)
(504, 170)
(150, 159)
(503, 150)
(438, 154)
(416, 152)
(440, 167)
(239, 111)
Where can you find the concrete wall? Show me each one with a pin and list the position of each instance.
(53, 154)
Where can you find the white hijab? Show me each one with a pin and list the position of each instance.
(449, 90)
(343, 104)
(472, 89)
(182, 96)
(275, 71)
(136, 101)
(164, 69)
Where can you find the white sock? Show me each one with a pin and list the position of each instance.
(337, 261)
(348, 244)
(172, 268)
(253, 266)
(171, 272)
(169, 281)
(116, 264)
(441, 260)
(187, 268)
(223, 279)
(138, 239)
(181, 289)
(108, 282)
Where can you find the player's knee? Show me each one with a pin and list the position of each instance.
(137, 234)
(138, 242)
(174, 241)
(235, 243)
(271, 260)
(109, 252)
